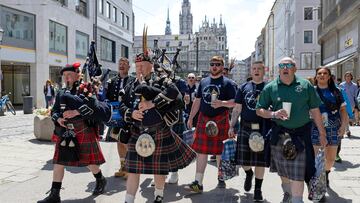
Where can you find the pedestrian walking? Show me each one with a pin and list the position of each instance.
(292, 156)
(49, 93)
(215, 95)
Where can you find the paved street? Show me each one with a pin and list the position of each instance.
(26, 173)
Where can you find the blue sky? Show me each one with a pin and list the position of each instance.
(244, 19)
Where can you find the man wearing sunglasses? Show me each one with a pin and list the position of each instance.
(292, 155)
(190, 96)
(215, 95)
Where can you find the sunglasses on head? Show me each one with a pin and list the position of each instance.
(286, 65)
(215, 64)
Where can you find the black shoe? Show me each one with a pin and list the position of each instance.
(258, 196)
(212, 158)
(221, 184)
(158, 199)
(100, 186)
(248, 181)
(54, 197)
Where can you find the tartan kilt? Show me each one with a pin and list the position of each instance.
(89, 148)
(244, 155)
(171, 153)
(291, 169)
(204, 144)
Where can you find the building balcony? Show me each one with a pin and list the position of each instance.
(341, 11)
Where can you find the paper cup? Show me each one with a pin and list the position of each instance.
(213, 97)
(287, 108)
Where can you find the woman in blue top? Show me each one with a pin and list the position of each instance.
(333, 111)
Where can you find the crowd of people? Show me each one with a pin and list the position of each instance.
(289, 119)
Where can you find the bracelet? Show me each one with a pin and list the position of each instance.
(273, 115)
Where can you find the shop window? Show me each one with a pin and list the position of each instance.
(57, 38)
(82, 44)
(18, 28)
(107, 49)
(306, 60)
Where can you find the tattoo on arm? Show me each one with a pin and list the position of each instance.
(235, 115)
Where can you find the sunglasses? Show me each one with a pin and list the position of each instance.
(286, 65)
(191, 77)
(215, 64)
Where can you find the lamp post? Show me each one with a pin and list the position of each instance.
(1, 74)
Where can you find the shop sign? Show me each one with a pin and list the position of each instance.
(348, 42)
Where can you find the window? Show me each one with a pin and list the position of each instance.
(107, 10)
(122, 19)
(127, 23)
(167, 44)
(308, 36)
(81, 7)
(82, 44)
(124, 51)
(114, 14)
(317, 59)
(18, 28)
(62, 2)
(57, 38)
(308, 13)
(107, 49)
(306, 60)
(101, 6)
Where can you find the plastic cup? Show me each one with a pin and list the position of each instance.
(287, 108)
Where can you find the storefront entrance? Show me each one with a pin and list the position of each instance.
(16, 79)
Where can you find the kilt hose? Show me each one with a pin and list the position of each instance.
(204, 144)
(89, 148)
(171, 153)
(292, 169)
(244, 155)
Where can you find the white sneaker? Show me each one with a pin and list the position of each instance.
(174, 178)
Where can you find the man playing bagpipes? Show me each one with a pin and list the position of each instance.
(150, 106)
(76, 114)
(114, 93)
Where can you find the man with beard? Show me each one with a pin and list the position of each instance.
(150, 106)
(76, 115)
(113, 93)
(215, 95)
(292, 155)
(251, 125)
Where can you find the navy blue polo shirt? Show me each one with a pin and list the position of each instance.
(224, 90)
(247, 95)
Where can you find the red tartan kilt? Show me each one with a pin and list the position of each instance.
(204, 144)
(89, 147)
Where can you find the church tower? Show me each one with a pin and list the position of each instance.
(186, 18)
(168, 28)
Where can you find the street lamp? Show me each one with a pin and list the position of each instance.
(1, 74)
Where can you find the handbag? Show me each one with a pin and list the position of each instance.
(228, 168)
(317, 189)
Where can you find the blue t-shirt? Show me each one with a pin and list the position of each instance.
(330, 97)
(247, 95)
(224, 90)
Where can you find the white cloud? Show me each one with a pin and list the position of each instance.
(244, 19)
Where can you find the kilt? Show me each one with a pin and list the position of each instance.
(89, 148)
(171, 153)
(332, 136)
(244, 155)
(292, 169)
(204, 144)
(179, 128)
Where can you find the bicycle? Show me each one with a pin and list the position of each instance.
(5, 103)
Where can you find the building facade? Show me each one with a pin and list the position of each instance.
(41, 37)
(291, 30)
(185, 18)
(339, 34)
(196, 49)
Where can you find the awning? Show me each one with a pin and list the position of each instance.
(337, 61)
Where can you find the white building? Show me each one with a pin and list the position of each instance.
(292, 28)
(42, 36)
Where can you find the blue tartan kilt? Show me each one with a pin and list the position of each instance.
(171, 153)
(244, 155)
